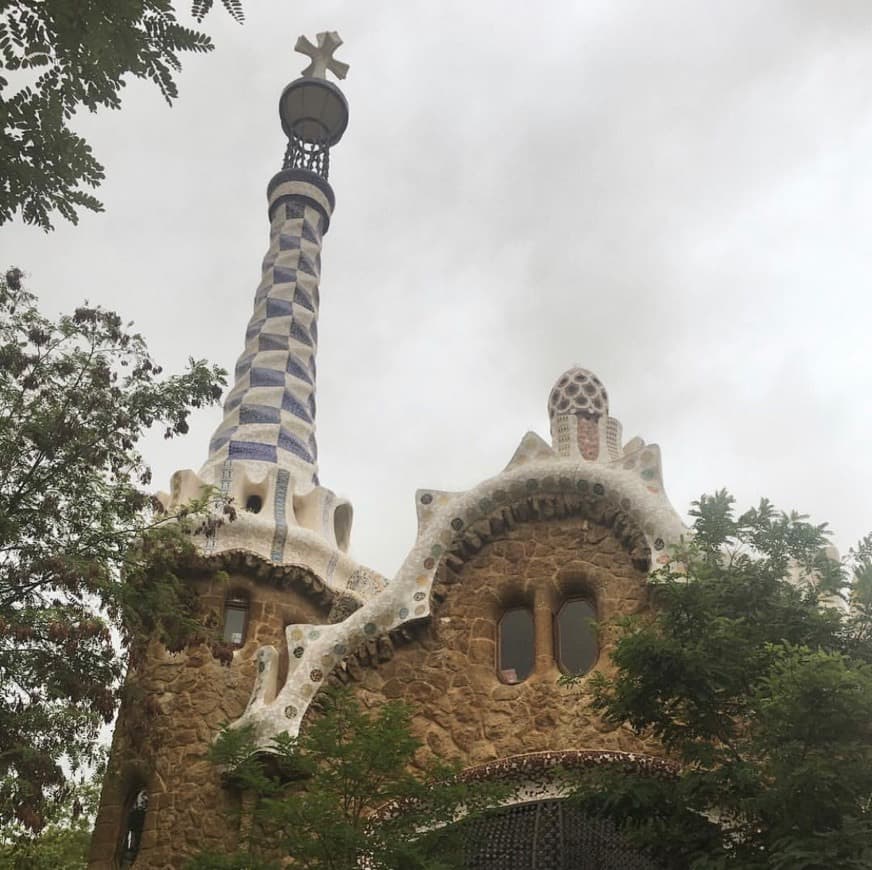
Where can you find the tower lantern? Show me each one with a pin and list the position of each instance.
(313, 111)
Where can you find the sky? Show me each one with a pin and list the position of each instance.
(675, 195)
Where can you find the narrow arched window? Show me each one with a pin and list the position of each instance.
(516, 647)
(236, 618)
(133, 827)
(576, 644)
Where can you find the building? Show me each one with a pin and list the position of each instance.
(493, 602)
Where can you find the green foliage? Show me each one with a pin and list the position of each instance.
(861, 592)
(62, 56)
(757, 679)
(345, 790)
(83, 552)
(64, 841)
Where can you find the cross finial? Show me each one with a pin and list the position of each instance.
(322, 55)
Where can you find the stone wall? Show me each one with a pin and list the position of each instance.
(177, 704)
(448, 670)
(445, 667)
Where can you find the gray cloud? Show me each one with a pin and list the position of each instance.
(675, 195)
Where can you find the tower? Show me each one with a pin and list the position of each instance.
(264, 454)
(283, 562)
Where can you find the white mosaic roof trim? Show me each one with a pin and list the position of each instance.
(632, 483)
(534, 776)
(308, 528)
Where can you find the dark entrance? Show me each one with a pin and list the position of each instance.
(548, 835)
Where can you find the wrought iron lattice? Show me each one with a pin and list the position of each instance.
(548, 835)
(302, 154)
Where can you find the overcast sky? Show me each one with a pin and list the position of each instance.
(676, 195)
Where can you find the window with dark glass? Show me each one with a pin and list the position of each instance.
(235, 619)
(133, 826)
(576, 643)
(516, 650)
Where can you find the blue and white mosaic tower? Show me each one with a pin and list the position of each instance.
(264, 452)
(269, 415)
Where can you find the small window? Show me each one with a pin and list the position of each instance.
(576, 643)
(133, 826)
(235, 619)
(253, 504)
(516, 645)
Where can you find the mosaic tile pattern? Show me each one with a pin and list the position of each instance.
(579, 392)
(578, 408)
(283, 478)
(224, 488)
(269, 415)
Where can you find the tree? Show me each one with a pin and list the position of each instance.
(64, 55)
(757, 678)
(86, 562)
(345, 792)
(64, 840)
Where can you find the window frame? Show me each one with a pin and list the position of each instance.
(586, 599)
(125, 858)
(499, 645)
(239, 602)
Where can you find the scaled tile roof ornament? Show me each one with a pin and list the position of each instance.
(579, 410)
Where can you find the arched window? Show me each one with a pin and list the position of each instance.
(576, 647)
(236, 618)
(133, 825)
(516, 648)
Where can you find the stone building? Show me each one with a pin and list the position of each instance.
(494, 601)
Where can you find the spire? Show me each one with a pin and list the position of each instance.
(268, 428)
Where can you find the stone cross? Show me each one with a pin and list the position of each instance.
(322, 55)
